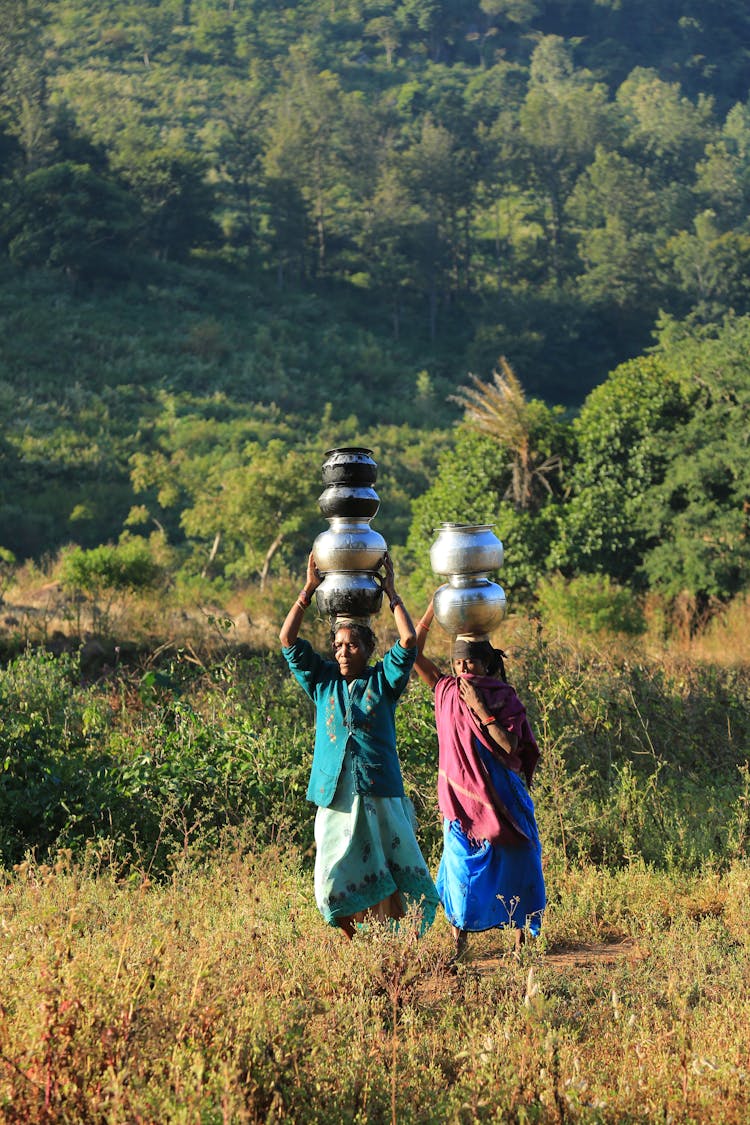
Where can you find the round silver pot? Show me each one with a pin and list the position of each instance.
(348, 545)
(462, 548)
(470, 605)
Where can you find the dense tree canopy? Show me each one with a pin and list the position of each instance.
(447, 166)
(225, 225)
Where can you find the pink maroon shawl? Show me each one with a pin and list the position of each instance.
(465, 790)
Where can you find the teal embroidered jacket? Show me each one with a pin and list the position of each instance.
(361, 718)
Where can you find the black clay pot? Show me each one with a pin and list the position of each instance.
(351, 465)
(343, 500)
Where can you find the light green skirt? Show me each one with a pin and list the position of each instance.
(366, 850)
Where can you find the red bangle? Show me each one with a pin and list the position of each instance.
(488, 722)
(304, 599)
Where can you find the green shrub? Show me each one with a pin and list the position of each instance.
(589, 603)
(129, 565)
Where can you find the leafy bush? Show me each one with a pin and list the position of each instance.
(53, 784)
(129, 565)
(590, 603)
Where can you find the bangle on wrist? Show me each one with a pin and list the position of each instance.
(304, 598)
(424, 626)
(395, 600)
(488, 722)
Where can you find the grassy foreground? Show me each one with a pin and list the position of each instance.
(220, 996)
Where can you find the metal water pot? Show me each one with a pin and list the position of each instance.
(347, 594)
(469, 604)
(462, 548)
(359, 501)
(351, 464)
(348, 545)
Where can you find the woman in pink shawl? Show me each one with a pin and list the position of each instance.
(491, 869)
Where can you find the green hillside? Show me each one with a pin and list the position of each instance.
(229, 224)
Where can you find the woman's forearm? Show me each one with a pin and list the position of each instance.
(425, 669)
(506, 740)
(423, 627)
(290, 628)
(406, 631)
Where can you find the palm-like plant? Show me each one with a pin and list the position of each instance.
(500, 408)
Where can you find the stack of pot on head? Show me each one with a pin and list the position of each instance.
(350, 552)
(470, 605)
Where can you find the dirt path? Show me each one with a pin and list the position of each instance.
(485, 958)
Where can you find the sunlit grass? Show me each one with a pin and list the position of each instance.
(220, 995)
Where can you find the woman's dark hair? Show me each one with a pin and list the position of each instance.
(492, 658)
(367, 638)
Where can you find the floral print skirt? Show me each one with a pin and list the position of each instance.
(367, 850)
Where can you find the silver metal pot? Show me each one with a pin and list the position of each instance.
(348, 545)
(462, 548)
(470, 605)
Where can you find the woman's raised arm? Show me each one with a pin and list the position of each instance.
(406, 632)
(293, 620)
(425, 668)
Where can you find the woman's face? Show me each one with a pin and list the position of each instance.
(467, 666)
(349, 653)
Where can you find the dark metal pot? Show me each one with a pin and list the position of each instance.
(349, 465)
(352, 502)
(345, 594)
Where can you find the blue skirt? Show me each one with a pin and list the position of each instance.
(485, 885)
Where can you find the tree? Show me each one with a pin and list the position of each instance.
(239, 159)
(26, 63)
(723, 174)
(500, 409)
(618, 214)
(176, 199)
(712, 268)
(698, 512)
(620, 456)
(239, 502)
(499, 471)
(437, 171)
(256, 507)
(316, 139)
(386, 240)
(386, 31)
(564, 117)
(664, 129)
(68, 217)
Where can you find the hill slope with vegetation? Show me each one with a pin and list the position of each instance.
(234, 235)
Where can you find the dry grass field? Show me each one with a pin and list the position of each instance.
(220, 996)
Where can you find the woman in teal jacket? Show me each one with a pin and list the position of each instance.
(367, 860)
